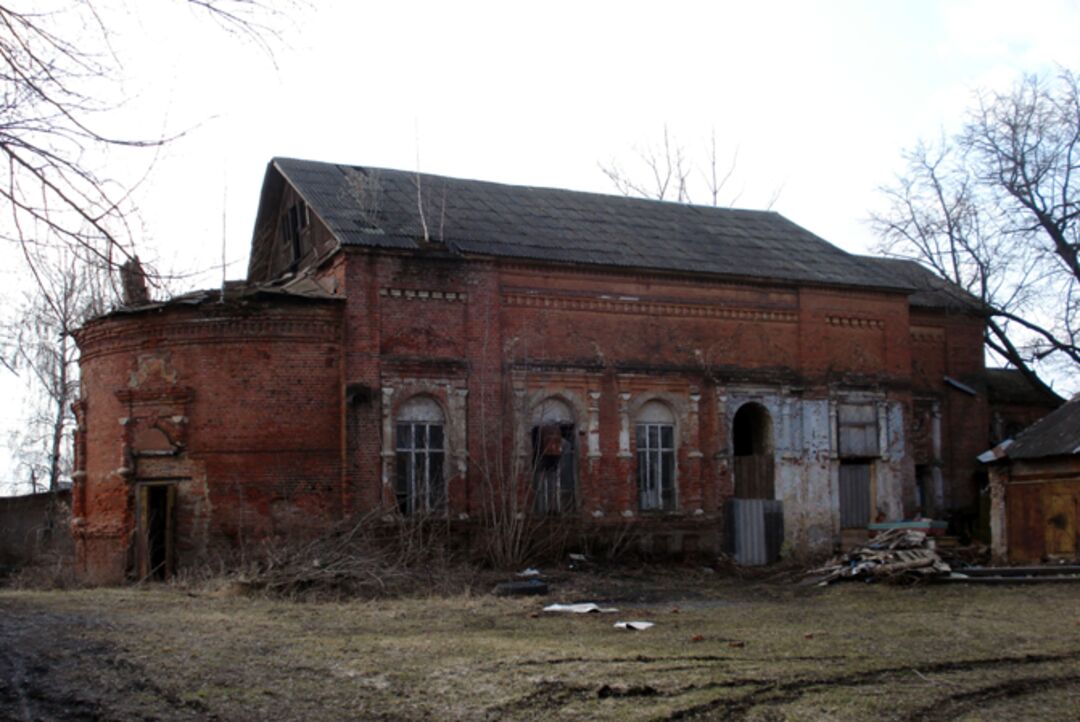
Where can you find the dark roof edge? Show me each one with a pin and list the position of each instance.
(627, 269)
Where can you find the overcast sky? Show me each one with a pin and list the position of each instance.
(818, 99)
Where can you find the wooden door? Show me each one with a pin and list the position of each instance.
(1059, 512)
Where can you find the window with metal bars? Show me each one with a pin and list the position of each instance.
(421, 487)
(656, 466)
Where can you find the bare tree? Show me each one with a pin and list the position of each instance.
(995, 210)
(54, 67)
(70, 292)
(666, 171)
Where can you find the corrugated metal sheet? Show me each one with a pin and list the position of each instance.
(854, 496)
(755, 530)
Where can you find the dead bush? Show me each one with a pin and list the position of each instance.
(368, 556)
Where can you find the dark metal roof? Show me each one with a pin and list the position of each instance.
(379, 208)
(1056, 434)
(1009, 386)
(931, 291)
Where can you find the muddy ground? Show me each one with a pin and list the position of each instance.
(722, 648)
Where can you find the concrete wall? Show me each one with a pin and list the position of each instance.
(34, 527)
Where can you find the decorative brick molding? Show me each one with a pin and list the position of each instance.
(927, 334)
(854, 322)
(643, 308)
(120, 333)
(410, 294)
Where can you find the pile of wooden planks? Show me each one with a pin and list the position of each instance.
(898, 555)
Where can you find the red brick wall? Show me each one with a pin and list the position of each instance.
(286, 406)
(594, 335)
(950, 344)
(244, 401)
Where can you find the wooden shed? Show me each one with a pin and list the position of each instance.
(1035, 490)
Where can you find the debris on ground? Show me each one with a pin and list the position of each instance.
(530, 572)
(634, 626)
(1047, 574)
(581, 608)
(578, 562)
(897, 555)
(520, 589)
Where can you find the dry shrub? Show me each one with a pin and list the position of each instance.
(49, 571)
(371, 555)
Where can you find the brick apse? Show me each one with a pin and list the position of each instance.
(401, 340)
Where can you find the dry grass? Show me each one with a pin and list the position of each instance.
(721, 648)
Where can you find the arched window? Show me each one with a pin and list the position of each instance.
(554, 457)
(420, 484)
(656, 456)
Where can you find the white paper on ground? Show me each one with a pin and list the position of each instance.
(583, 608)
(634, 626)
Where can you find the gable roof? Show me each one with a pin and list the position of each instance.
(379, 208)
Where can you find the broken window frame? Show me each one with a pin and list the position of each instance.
(294, 222)
(554, 475)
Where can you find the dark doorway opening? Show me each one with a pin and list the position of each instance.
(155, 512)
(751, 437)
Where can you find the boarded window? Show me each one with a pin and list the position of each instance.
(420, 452)
(855, 495)
(858, 430)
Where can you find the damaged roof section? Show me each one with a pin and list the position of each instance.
(393, 209)
(292, 287)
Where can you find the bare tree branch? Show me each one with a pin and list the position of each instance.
(995, 210)
(667, 173)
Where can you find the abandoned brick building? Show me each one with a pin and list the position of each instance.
(404, 341)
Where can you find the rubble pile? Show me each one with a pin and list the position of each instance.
(897, 555)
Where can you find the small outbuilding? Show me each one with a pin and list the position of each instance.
(1035, 490)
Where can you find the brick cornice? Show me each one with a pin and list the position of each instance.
(121, 333)
(855, 322)
(646, 307)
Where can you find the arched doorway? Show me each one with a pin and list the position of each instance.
(752, 442)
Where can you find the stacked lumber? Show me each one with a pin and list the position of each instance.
(898, 555)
